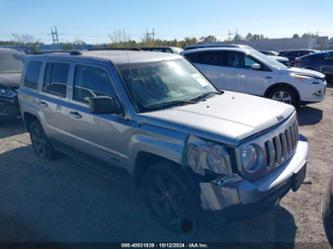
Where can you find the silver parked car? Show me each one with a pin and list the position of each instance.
(190, 147)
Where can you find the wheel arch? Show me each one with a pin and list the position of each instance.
(28, 118)
(144, 160)
(283, 84)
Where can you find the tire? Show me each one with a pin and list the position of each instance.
(171, 199)
(284, 94)
(40, 142)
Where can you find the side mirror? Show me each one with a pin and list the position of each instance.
(256, 66)
(105, 105)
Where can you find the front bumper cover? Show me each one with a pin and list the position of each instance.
(219, 195)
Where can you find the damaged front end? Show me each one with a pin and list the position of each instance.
(223, 186)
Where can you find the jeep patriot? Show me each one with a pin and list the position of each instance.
(188, 146)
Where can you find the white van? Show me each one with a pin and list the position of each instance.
(249, 71)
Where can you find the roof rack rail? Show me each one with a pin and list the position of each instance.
(71, 52)
(97, 49)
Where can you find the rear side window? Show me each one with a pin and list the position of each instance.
(215, 58)
(55, 79)
(314, 57)
(32, 74)
(91, 82)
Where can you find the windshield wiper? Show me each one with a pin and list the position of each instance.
(205, 95)
(164, 105)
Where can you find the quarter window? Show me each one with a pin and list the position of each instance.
(32, 74)
(55, 79)
(91, 82)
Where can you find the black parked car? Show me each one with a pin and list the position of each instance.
(293, 54)
(321, 62)
(11, 66)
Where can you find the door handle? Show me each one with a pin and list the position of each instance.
(43, 104)
(75, 115)
(269, 77)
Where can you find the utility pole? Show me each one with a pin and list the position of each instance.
(230, 34)
(150, 36)
(54, 35)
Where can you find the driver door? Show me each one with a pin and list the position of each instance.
(103, 136)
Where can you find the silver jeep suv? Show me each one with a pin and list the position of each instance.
(154, 116)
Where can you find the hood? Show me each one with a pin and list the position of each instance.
(306, 72)
(229, 118)
(11, 80)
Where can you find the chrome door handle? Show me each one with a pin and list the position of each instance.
(43, 104)
(75, 115)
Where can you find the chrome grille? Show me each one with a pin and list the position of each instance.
(282, 146)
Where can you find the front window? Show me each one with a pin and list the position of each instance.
(271, 62)
(158, 85)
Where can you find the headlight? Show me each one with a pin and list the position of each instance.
(203, 155)
(4, 92)
(305, 78)
(252, 158)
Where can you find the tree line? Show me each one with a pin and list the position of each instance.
(121, 39)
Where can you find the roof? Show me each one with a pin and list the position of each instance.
(118, 57)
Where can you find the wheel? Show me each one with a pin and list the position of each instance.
(171, 199)
(40, 142)
(283, 94)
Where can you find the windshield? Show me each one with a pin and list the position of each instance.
(8, 63)
(158, 85)
(270, 61)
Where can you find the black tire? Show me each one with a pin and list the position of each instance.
(284, 94)
(171, 198)
(40, 143)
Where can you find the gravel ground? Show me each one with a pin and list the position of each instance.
(63, 202)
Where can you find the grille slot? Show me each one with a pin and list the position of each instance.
(281, 147)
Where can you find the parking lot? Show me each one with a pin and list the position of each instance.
(62, 201)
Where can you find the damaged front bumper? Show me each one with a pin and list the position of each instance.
(234, 191)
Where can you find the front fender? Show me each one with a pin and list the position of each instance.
(167, 147)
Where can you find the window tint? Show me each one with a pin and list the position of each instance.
(32, 74)
(216, 58)
(91, 82)
(55, 79)
(235, 59)
(315, 57)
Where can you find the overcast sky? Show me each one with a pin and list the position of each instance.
(93, 20)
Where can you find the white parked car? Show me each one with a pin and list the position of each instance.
(249, 71)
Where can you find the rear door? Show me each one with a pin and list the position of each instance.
(212, 64)
(52, 100)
